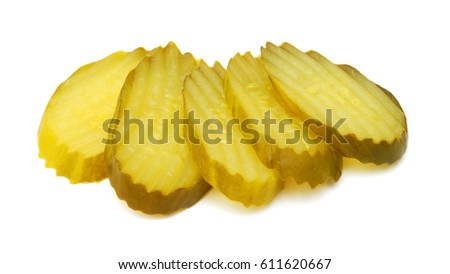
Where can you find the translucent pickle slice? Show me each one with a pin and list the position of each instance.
(150, 168)
(70, 134)
(282, 145)
(374, 129)
(227, 164)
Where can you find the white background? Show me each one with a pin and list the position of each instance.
(374, 220)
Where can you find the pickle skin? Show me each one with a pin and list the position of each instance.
(365, 151)
(219, 177)
(370, 152)
(323, 167)
(138, 198)
(317, 169)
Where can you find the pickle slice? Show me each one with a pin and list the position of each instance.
(281, 145)
(70, 134)
(357, 118)
(227, 164)
(150, 167)
(386, 152)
